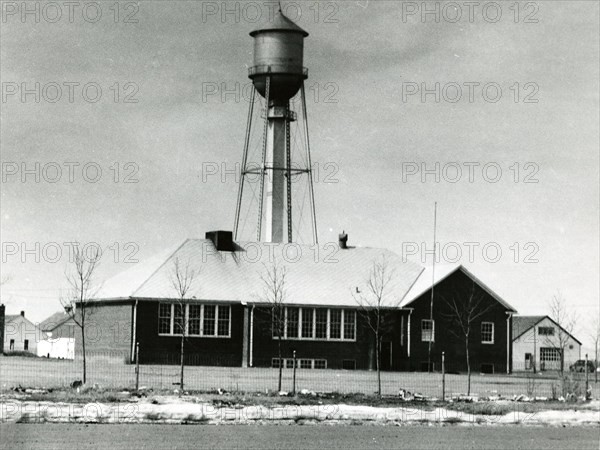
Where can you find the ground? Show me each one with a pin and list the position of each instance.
(82, 437)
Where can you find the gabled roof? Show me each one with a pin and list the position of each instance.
(522, 324)
(54, 321)
(325, 277)
(10, 317)
(443, 271)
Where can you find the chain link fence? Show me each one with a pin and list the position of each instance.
(108, 370)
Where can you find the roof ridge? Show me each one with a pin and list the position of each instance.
(168, 258)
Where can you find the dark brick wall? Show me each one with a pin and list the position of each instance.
(155, 349)
(335, 352)
(108, 329)
(445, 340)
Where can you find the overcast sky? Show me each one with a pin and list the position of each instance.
(363, 123)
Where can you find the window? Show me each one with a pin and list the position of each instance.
(306, 363)
(487, 332)
(179, 319)
(164, 318)
(26, 344)
(275, 363)
(349, 325)
(195, 315)
(546, 331)
(321, 324)
(320, 364)
(292, 322)
(195, 320)
(349, 364)
(427, 330)
(223, 323)
(210, 313)
(335, 324)
(307, 323)
(316, 323)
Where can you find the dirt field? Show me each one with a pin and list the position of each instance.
(40, 372)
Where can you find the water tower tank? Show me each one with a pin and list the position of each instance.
(278, 52)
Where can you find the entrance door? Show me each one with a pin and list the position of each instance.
(386, 355)
(528, 359)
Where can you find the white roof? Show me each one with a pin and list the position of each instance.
(315, 276)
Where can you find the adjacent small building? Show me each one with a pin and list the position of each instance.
(20, 334)
(539, 343)
(57, 337)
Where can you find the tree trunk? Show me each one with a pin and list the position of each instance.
(280, 363)
(181, 374)
(83, 349)
(377, 361)
(468, 366)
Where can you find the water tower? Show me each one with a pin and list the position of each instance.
(278, 75)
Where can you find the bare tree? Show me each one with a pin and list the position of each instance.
(463, 308)
(273, 293)
(377, 306)
(182, 278)
(78, 299)
(566, 324)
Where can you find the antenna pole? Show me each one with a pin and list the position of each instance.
(432, 289)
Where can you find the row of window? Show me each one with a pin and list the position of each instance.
(291, 323)
(546, 331)
(302, 363)
(315, 323)
(194, 320)
(428, 331)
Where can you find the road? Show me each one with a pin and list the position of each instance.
(80, 437)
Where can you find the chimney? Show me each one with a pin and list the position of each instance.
(343, 240)
(22, 313)
(222, 240)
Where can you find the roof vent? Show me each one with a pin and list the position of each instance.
(343, 240)
(23, 313)
(222, 240)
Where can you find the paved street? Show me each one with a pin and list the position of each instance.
(62, 436)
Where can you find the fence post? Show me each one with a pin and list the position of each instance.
(443, 377)
(294, 378)
(137, 366)
(587, 378)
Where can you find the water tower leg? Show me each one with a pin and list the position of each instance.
(311, 189)
(238, 206)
